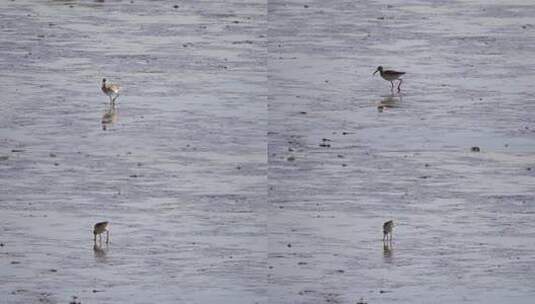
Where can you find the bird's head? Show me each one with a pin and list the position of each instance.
(379, 69)
(103, 80)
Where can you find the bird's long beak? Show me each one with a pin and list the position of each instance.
(375, 72)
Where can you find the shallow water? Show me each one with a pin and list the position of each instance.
(247, 161)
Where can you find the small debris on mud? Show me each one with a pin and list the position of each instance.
(1, 244)
(361, 301)
(290, 158)
(52, 155)
(53, 270)
(305, 6)
(4, 157)
(475, 149)
(383, 291)
(289, 245)
(75, 300)
(17, 150)
(324, 145)
(302, 263)
(303, 112)
(175, 6)
(15, 262)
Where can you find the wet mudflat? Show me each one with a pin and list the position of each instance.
(204, 207)
(179, 171)
(345, 155)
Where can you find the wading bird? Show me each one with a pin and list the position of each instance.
(387, 230)
(112, 90)
(99, 229)
(390, 75)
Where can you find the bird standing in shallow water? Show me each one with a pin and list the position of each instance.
(390, 75)
(112, 90)
(387, 230)
(99, 229)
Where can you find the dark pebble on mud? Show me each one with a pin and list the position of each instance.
(303, 112)
(325, 139)
(238, 167)
(56, 164)
(528, 168)
(1, 244)
(289, 245)
(235, 22)
(340, 156)
(175, 6)
(52, 155)
(340, 271)
(15, 262)
(426, 165)
(344, 165)
(324, 145)
(302, 263)
(305, 6)
(290, 158)
(475, 149)
(134, 175)
(53, 270)
(17, 150)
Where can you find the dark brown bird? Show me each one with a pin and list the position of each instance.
(99, 229)
(387, 230)
(390, 75)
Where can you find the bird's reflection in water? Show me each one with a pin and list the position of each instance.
(389, 102)
(109, 117)
(100, 252)
(388, 251)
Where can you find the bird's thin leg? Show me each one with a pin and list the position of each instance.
(95, 238)
(392, 85)
(399, 85)
(107, 236)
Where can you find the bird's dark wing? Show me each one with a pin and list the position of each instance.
(393, 73)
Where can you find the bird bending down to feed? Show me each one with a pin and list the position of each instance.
(387, 230)
(99, 229)
(390, 75)
(112, 90)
